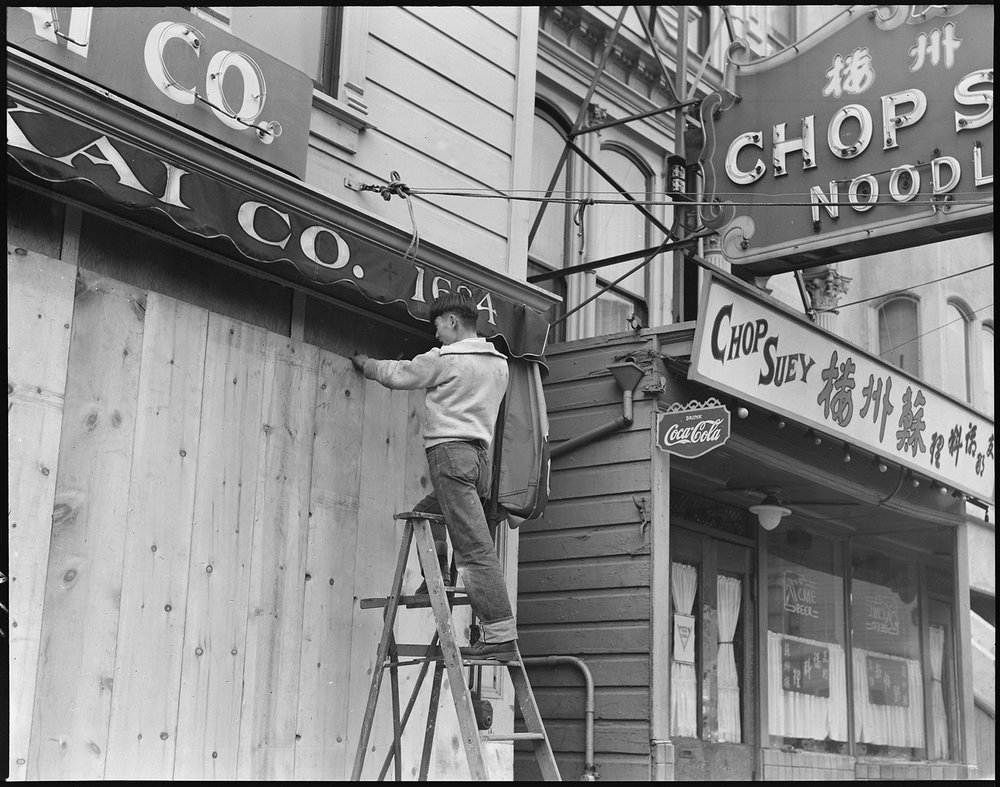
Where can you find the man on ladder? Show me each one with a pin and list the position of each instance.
(465, 379)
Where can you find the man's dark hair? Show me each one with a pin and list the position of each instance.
(461, 306)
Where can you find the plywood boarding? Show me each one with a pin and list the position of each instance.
(223, 498)
(39, 314)
(211, 689)
(142, 733)
(277, 573)
(322, 750)
(88, 525)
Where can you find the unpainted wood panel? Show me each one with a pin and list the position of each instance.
(88, 521)
(602, 541)
(211, 686)
(418, 42)
(321, 751)
(577, 640)
(39, 315)
(489, 31)
(277, 574)
(460, 113)
(142, 736)
(383, 452)
(584, 607)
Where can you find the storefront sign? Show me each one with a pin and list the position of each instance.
(174, 63)
(778, 360)
(323, 255)
(683, 638)
(888, 682)
(693, 429)
(800, 595)
(805, 668)
(872, 134)
(881, 615)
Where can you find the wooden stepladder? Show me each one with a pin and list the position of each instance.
(444, 652)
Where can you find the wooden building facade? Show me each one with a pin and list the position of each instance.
(201, 486)
(650, 573)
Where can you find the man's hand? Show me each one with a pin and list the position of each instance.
(359, 361)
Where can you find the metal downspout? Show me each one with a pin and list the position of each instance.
(589, 769)
(627, 375)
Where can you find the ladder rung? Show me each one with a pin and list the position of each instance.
(513, 736)
(414, 602)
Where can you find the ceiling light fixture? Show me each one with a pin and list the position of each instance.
(770, 511)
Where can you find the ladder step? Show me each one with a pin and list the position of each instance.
(513, 736)
(414, 602)
(404, 650)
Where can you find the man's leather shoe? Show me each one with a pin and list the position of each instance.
(490, 651)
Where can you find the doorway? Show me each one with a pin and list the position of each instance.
(713, 667)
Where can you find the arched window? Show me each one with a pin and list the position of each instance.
(897, 334)
(619, 229)
(549, 244)
(955, 368)
(988, 369)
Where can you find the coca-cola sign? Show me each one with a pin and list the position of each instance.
(694, 429)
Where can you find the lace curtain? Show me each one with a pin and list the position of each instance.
(683, 679)
(939, 736)
(729, 679)
(888, 725)
(793, 714)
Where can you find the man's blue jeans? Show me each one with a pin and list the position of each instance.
(460, 474)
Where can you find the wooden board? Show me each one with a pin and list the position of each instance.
(211, 681)
(39, 315)
(142, 734)
(322, 751)
(277, 574)
(589, 541)
(80, 627)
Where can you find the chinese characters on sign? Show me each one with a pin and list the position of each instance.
(761, 354)
(864, 101)
(805, 668)
(888, 683)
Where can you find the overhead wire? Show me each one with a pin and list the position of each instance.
(906, 289)
(934, 330)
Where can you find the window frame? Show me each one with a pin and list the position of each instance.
(967, 320)
(916, 340)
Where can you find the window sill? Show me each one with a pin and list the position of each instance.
(337, 123)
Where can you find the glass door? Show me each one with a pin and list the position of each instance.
(712, 656)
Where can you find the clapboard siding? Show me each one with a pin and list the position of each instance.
(584, 569)
(39, 311)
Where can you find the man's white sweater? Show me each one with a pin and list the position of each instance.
(465, 383)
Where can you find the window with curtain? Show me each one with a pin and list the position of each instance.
(989, 370)
(886, 658)
(619, 229)
(956, 356)
(941, 646)
(684, 703)
(306, 37)
(728, 598)
(806, 660)
(897, 334)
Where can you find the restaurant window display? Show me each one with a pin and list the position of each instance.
(806, 649)
(888, 675)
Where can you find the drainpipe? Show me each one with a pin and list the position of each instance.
(589, 769)
(627, 375)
